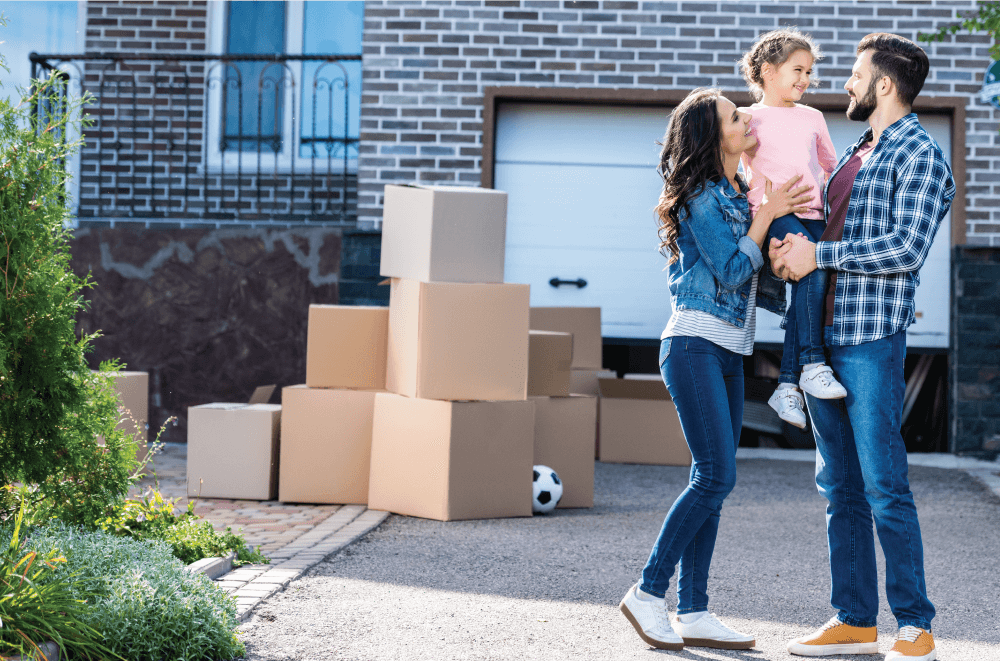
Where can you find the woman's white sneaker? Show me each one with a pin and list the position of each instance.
(707, 631)
(790, 405)
(649, 617)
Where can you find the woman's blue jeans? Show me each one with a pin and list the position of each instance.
(804, 321)
(706, 384)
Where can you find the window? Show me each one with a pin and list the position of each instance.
(284, 113)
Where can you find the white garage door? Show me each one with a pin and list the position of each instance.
(582, 186)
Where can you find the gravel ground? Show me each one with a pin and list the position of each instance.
(548, 587)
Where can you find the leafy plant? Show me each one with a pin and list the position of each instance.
(146, 605)
(986, 18)
(37, 605)
(53, 407)
(190, 537)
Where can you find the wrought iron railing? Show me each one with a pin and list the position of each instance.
(213, 138)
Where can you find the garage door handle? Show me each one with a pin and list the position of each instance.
(580, 282)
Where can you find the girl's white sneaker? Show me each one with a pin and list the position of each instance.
(707, 631)
(790, 405)
(820, 383)
(650, 619)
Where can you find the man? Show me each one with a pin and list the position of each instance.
(885, 202)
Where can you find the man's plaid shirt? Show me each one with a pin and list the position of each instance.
(899, 198)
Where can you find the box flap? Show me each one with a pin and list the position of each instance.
(262, 395)
(632, 389)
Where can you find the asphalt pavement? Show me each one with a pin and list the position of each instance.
(548, 587)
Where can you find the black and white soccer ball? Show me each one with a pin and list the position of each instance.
(546, 490)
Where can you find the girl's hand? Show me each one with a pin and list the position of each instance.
(786, 199)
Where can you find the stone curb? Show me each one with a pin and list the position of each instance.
(213, 567)
(252, 584)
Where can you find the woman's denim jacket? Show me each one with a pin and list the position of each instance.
(717, 260)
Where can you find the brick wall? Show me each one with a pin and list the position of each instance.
(975, 355)
(146, 152)
(426, 64)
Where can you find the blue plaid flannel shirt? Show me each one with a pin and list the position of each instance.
(898, 201)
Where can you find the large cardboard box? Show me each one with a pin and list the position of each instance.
(444, 233)
(326, 439)
(583, 323)
(458, 341)
(232, 451)
(549, 358)
(638, 424)
(345, 346)
(565, 429)
(451, 460)
(584, 382)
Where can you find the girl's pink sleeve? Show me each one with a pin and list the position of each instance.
(824, 147)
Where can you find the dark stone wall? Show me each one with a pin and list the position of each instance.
(976, 351)
(210, 314)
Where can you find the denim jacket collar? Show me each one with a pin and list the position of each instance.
(727, 189)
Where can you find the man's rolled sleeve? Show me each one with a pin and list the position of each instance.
(750, 248)
(828, 254)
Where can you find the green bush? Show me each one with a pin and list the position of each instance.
(40, 604)
(53, 407)
(190, 537)
(146, 605)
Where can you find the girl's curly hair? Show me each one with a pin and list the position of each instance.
(775, 48)
(691, 157)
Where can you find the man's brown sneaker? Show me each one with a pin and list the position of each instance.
(836, 638)
(913, 644)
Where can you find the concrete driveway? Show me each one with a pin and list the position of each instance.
(548, 587)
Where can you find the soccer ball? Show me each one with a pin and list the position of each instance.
(546, 489)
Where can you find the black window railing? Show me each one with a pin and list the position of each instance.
(214, 138)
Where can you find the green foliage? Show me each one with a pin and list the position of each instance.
(53, 407)
(40, 604)
(146, 605)
(984, 19)
(190, 537)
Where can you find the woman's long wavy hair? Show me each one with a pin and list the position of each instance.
(691, 156)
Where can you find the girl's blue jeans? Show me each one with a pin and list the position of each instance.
(804, 321)
(706, 384)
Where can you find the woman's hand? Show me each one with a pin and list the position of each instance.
(786, 199)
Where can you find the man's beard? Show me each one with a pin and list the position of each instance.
(860, 111)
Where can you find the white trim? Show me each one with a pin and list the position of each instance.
(291, 112)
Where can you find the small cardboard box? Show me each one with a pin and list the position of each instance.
(232, 449)
(565, 431)
(444, 233)
(458, 341)
(638, 424)
(549, 358)
(345, 346)
(584, 382)
(132, 389)
(583, 323)
(326, 439)
(451, 460)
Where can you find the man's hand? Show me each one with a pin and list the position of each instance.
(792, 258)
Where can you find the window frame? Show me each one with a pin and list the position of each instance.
(291, 115)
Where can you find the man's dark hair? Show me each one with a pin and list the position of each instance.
(899, 58)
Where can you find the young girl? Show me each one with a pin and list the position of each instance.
(792, 140)
(715, 277)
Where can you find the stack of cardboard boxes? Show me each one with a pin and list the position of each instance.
(453, 437)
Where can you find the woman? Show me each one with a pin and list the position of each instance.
(715, 260)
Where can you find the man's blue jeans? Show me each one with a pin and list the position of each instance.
(861, 470)
(706, 383)
(804, 322)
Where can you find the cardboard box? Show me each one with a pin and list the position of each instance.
(345, 346)
(232, 449)
(638, 424)
(584, 382)
(444, 233)
(549, 358)
(565, 432)
(326, 439)
(132, 389)
(458, 341)
(451, 460)
(583, 323)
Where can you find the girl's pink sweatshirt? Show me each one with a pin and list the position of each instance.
(790, 141)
